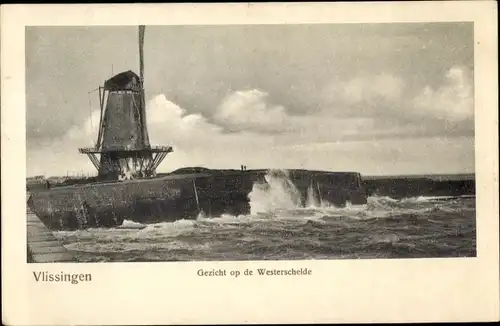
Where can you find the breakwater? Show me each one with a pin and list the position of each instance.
(420, 185)
(188, 192)
(183, 194)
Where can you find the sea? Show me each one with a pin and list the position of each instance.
(279, 228)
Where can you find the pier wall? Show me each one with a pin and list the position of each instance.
(108, 203)
(402, 187)
(178, 196)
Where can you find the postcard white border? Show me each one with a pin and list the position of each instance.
(398, 290)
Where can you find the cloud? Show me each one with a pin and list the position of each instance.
(260, 127)
(195, 140)
(364, 89)
(385, 87)
(199, 142)
(399, 109)
(169, 123)
(251, 110)
(452, 101)
(389, 156)
(85, 133)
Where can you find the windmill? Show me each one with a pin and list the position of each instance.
(123, 142)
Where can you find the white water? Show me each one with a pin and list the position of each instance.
(277, 194)
(312, 198)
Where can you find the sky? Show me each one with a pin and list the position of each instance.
(380, 99)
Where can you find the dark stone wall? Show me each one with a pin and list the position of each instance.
(418, 186)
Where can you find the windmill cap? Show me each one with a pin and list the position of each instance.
(127, 80)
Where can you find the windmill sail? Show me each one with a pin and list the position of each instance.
(143, 97)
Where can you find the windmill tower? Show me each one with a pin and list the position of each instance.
(123, 140)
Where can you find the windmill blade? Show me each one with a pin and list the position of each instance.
(145, 134)
(141, 51)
